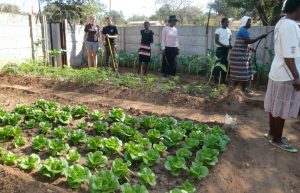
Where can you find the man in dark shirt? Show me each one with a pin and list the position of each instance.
(109, 36)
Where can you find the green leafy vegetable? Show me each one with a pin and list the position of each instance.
(149, 122)
(73, 156)
(186, 125)
(128, 188)
(104, 182)
(9, 158)
(151, 157)
(96, 159)
(188, 187)
(197, 170)
(96, 115)
(154, 135)
(79, 111)
(19, 141)
(183, 152)
(117, 115)
(160, 147)
(173, 137)
(123, 131)
(217, 142)
(134, 151)
(45, 127)
(52, 167)
(57, 147)
(77, 136)
(39, 142)
(175, 165)
(10, 119)
(121, 168)
(208, 157)
(100, 127)
(76, 175)
(60, 132)
(82, 125)
(51, 115)
(64, 118)
(30, 162)
(93, 143)
(22, 109)
(112, 145)
(132, 121)
(30, 124)
(147, 177)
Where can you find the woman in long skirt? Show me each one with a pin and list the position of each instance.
(282, 100)
(145, 49)
(170, 47)
(240, 67)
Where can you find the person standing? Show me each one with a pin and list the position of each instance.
(282, 100)
(109, 36)
(170, 47)
(240, 67)
(91, 40)
(223, 41)
(145, 49)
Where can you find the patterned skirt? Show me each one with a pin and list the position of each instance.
(240, 66)
(282, 100)
(145, 53)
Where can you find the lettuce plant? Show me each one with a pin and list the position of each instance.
(60, 132)
(112, 145)
(175, 165)
(186, 125)
(79, 111)
(77, 136)
(9, 158)
(184, 152)
(76, 175)
(147, 177)
(39, 142)
(30, 124)
(134, 151)
(73, 156)
(52, 167)
(64, 118)
(132, 121)
(128, 188)
(57, 147)
(121, 168)
(100, 127)
(10, 119)
(154, 135)
(45, 127)
(94, 143)
(96, 159)
(117, 115)
(29, 162)
(160, 147)
(103, 182)
(198, 171)
(151, 157)
(82, 125)
(22, 109)
(123, 131)
(96, 115)
(19, 141)
(207, 156)
(149, 122)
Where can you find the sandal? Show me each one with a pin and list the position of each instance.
(270, 137)
(284, 145)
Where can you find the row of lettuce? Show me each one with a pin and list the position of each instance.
(107, 151)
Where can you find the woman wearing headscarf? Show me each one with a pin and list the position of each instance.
(240, 67)
(282, 100)
(170, 47)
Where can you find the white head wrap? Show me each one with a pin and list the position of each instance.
(244, 20)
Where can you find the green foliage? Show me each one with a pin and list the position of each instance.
(134, 151)
(160, 147)
(45, 127)
(7, 132)
(10, 119)
(197, 170)
(39, 142)
(52, 167)
(9, 158)
(128, 188)
(96, 159)
(173, 137)
(147, 177)
(82, 125)
(104, 182)
(76, 175)
(60, 132)
(94, 143)
(154, 135)
(121, 168)
(184, 152)
(123, 131)
(112, 145)
(97, 115)
(64, 118)
(77, 136)
(149, 122)
(73, 156)
(117, 115)
(30, 162)
(175, 165)
(151, 157)
(100, 127)
(57, 147)
(79, 111)
(19, 141)
(30, 124)
(207, 156)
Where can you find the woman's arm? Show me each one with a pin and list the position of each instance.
(163, 39)
(252, 41)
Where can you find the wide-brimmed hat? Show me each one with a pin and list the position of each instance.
(172, 18)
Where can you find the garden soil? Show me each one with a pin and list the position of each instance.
(250, 165)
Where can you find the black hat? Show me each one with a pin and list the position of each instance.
(172, 18)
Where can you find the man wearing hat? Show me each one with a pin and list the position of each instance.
(170, 47)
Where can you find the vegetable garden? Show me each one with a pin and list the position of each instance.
(106, 152)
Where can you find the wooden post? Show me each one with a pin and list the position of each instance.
(123, 39)
(44, 39)
(31, 37)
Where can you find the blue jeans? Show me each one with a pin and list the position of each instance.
(94, 46)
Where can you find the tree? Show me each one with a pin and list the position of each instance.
(117, 17)
(163, 12)
(8, 8)
(267, 11)
(75, 11)
(137, 18)
(192, 15)
(174, 5)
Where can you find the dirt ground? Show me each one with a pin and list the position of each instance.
(250, 165)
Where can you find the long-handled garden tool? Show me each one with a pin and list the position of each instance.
(115, 67)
